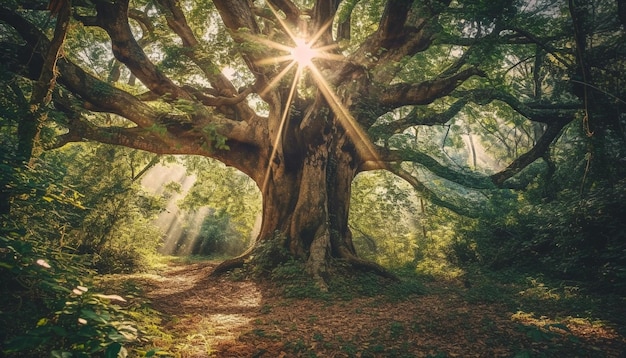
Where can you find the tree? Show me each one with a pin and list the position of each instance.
(322, 90)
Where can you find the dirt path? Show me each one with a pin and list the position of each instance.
(219, 317)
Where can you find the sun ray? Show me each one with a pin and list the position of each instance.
(282, 23)
(301, 55)
(277, 79)
(281, 128)
(274, 60)
(353, 129)
(270, 43)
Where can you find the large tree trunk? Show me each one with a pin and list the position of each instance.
(306, 202)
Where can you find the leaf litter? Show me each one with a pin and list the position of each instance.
(207, 316)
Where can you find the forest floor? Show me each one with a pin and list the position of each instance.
(196, 315)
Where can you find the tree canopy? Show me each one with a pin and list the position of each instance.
(302, 96)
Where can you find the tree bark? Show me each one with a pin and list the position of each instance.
(306, 204)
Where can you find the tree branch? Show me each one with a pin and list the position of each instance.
(99, 96)
(464, 178)
(543, 44)
(536, 152)
(417, 117)
(429, 195)
(177, 21)
(536, 112)
(30, 127)
(391, 27)
(323, 13)
(291, 11)
(113, 18)
(423, 93)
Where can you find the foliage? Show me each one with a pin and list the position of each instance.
(48, 307)
(114, 228)
(573, 238)
(58, 210)
(378, 199)
(233, 203)
(216, 236)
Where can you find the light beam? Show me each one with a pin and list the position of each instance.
(302, 54)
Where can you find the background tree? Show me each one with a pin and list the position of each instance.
(567, 224)
(322, 91)
(233, 203)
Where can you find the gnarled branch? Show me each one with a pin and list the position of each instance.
(403, 94)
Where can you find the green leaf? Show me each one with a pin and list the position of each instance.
(60, 354)
(113, 350)
(89, 314)
(59, 331)
(117, 337)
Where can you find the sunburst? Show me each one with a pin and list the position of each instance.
(301, 55)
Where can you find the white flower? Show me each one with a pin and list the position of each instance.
(43, 263)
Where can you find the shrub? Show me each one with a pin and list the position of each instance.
(49, 309)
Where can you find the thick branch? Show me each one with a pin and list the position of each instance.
(423, 93)
(144, 22)
(536, 152)
(29, 128)
(536, 112)
(177, 21)
(480, 182)
(467, 179)
(292, 12)
(391, 27)
(113, 18)
(415, 118)
(323, 13)
(236, 15)
(101, 96)
(404, 30)
(219, 101)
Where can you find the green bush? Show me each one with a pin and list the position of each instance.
(217, 236)
(49, 309)
(118, 260)
(572, 237)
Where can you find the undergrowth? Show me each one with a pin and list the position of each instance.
(272, 262)
(293, 282)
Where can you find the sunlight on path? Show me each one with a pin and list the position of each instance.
(218, 317)
(203, 313)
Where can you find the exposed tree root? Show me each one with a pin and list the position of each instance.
(354, 261)
(365, 265)
(231, 264)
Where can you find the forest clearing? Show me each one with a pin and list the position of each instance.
(312, 178)
(205, 316)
